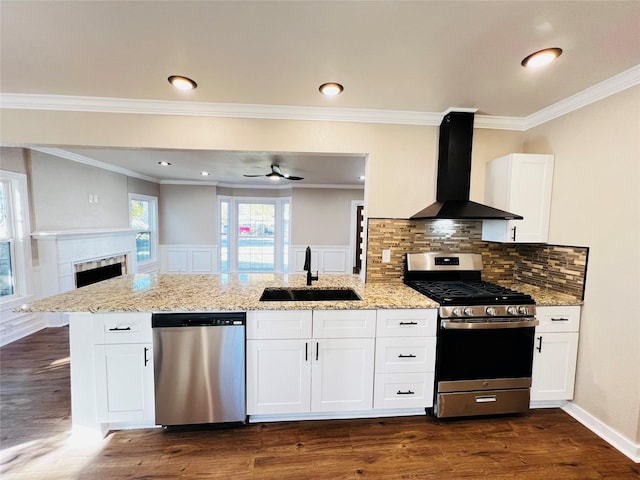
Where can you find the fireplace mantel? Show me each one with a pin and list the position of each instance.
(59, 252)
(68, 234)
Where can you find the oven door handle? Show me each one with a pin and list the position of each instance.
(451, 325)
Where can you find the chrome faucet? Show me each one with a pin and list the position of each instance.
(307, 266)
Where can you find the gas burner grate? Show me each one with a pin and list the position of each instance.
(469, 292)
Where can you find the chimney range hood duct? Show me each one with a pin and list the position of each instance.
(454, 175)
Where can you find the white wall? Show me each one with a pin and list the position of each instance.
(596, 202)
(322, 216)
(188, 214)
(60, 191)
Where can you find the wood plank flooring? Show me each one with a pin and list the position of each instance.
(35, 441)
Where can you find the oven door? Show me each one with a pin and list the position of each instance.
(483, 367)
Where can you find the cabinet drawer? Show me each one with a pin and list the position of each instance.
(344, 323)
(403, 390)
(405, 354)
(113, 328)
(406, 323)
(558, 319)
(278, 324)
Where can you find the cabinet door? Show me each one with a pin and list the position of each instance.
(342, 377)
(124, 382)
(554, 366)
(278, 376)
(520, 184)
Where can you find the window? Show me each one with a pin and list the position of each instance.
(254, 234)
(143, 216)
(15, 246)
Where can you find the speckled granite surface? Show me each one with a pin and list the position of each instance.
(173, 292)
(545, 297)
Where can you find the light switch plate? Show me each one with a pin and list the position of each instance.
(386, 256)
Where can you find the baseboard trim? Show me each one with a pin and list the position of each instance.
(609, 435)
(337, 415)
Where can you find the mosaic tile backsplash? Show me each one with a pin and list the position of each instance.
(556, 268)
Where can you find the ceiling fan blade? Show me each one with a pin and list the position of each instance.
(292, 177)
(255, 175)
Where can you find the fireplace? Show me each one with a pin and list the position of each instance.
(63, 255)
(95, 271)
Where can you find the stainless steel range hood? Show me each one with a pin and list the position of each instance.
(454, 175)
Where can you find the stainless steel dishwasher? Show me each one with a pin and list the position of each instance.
(199, 367)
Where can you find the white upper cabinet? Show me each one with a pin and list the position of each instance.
(519, 183)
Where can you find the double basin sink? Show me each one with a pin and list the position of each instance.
(308, 294)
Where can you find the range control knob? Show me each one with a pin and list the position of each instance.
(468, 311)
(457, 312)
(512, 310)
(523, 310)
(491, 311)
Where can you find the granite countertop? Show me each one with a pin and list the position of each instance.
(545, 297)
(241, 292)
(219, 292)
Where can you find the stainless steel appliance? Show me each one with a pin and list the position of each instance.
(485, 338)
(199, 361)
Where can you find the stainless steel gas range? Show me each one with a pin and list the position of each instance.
(485, 336)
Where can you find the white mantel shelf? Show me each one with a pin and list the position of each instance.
(55, 234)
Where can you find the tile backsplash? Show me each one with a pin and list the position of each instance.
(557, 268)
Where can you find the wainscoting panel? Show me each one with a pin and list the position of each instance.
(333, 259)
(188, 258)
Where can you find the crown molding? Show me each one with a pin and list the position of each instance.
(58, 152)
(204, 109)
(627, 79)
(622, 81)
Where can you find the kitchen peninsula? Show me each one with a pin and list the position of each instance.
(112, 371)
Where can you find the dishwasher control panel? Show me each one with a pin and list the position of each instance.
(198, 319)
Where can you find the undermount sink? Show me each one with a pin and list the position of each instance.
(308, 294)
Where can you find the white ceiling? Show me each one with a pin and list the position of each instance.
(409, 56)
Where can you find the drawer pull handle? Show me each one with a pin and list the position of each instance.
(408, 392)
(559, 319)
(486, 399)
(539, 347)
(146, 359)
(411, 355)
(118, 329)
(408, 323)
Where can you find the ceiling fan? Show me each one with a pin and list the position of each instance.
(276, 173)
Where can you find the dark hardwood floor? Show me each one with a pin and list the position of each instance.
(36, 444)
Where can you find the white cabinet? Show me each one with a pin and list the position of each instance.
(111, 371)
(123, 361)
(302, 362)
(278, 376)
(342, 375)
(519, 183)
(124, 383)
(555, 353)
(405, 359)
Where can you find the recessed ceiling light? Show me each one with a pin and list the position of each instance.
(164, 164)
(541, 58)
(331, 89)
(361, 177)
(182, 83)
(205, 174)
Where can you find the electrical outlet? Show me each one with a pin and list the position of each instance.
(90, 198)
(386, 256)
(95, 198)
